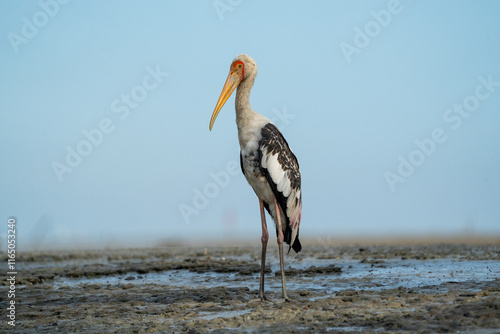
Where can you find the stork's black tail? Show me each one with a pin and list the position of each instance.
(297, 247)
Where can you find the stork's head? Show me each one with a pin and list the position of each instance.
(242, 68)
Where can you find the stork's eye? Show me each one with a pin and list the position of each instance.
(238, 67)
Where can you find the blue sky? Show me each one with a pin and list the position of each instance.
(392, 108)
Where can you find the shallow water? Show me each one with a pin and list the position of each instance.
(354, 275)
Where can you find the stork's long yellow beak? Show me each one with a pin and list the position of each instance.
(232, 81)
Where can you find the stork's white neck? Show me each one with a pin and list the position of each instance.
(244, 111)
(248, 121)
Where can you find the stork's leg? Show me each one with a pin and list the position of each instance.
(280, 247)
(265, 237)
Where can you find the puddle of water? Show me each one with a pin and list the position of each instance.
(415, 273)
(221, 314)
(353, 329)
(390, 274)
(176, 278)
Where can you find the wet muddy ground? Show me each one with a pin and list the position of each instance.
(339, 289)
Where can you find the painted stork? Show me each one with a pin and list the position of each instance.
(267, 162)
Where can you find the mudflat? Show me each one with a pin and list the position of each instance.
(360, 288)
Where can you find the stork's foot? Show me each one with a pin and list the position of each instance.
(262, 296)
(263, 299)
(259, 300)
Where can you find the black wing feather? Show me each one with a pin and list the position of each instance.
(274, 142)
